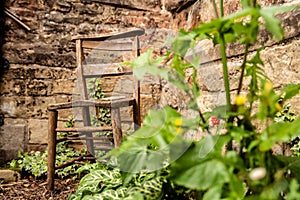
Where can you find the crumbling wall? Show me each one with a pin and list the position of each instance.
(42, 60)
(43, 64)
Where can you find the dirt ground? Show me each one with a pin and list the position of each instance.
(26, 189)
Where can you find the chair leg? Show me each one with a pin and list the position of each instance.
(116, 125)
(52, 125)
(87, 122)
(136, 116)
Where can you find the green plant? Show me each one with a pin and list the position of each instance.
(102, 117)
(69, 123)
(286, 114)
(205, 167)
(94, 88)
(103, 182)
(238, 164)
(35, 162)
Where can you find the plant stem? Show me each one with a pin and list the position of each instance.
(225, 71)
(222, 8)
(243, 66)
(215, 8)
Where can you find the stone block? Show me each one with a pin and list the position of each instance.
(209, 100)
(62, 98)
(25, 107)
(39, 87)
(65, 114)
(38, 106)
(211, 77)
(6, 87)
(36, 147)
(8, 106)
(14, 121)
(295, 104)
(12, 140)
(148, 102)
(8, 176)
(37, 131)
(63, 86)
(282, 63)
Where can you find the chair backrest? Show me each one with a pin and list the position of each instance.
(101, 56)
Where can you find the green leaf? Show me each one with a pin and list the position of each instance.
(144, 64)
(220, 112)
(198, 167)
(213, 193)
(291, 163)
(290, 91)
(203, 175)
(273, 190)
(90, 182)
(182, 43)
(294, 190)
(280, 131)
(238, 189)
(273, 25)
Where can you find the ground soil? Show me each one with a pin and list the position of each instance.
(27, 189)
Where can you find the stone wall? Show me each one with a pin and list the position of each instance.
(42, 60)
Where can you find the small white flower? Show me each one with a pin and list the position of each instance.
(257, 174)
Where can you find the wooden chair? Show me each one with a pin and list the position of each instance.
(113, 44)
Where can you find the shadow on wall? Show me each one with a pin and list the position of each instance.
(4, 64)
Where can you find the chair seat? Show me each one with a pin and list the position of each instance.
(110, 102)
(85, 129)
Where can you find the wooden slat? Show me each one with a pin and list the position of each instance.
(70, 162)
(111, 36)
(104, 148)
(95, 103)
(85, 129)
(107, 45)
(102, 70)
(73, 139)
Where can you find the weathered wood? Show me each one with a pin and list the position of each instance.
(103, 70)
(71, 162)
(114, 103)
(84, 129)
(95, 103)
(111, 36)
(149, 5)
(116, 124)
(87, 122)
(52, 124)
(107, 45)
(79, 61)
(16, 18)
(178, 5)
(137, 91)
(84, 94)
(104, 148)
